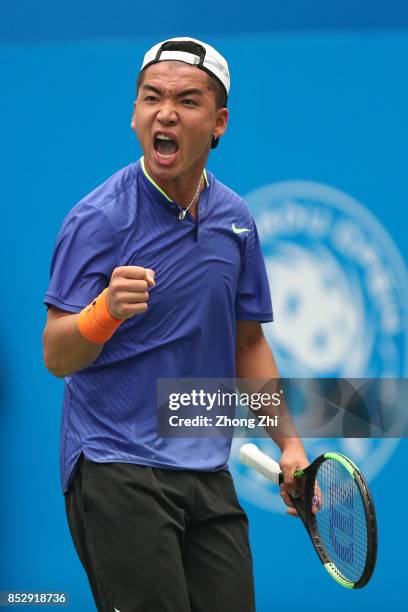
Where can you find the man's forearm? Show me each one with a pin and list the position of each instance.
(65, 350)
(256, 364)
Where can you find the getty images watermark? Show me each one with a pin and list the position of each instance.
(218, 402)
(314, 408)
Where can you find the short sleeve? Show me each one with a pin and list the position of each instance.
(83, 259)
(253, 299)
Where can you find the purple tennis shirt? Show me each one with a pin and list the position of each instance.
(209, 274)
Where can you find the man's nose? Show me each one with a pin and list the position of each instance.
(167, 113)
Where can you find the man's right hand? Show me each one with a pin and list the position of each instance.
(128, 291)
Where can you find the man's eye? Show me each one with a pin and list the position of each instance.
(189, 102)
(150, 99)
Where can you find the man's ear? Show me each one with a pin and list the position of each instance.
(221, 122)
(133, 121)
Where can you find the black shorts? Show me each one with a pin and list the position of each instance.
(155, 540)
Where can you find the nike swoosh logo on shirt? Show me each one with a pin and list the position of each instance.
(239, 230)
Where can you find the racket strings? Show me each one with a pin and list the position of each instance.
(341, 520)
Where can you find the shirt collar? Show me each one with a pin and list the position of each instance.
(159, 189)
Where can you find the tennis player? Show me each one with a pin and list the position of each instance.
(158, 273)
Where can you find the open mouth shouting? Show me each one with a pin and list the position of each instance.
(166, 148)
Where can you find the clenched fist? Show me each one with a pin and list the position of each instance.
(128, 291)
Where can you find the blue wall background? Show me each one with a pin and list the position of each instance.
(318, 93)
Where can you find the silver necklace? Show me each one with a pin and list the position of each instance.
(182, 214)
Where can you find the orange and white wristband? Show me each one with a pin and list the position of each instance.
(95, 322)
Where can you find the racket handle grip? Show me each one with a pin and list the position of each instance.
(250, 455)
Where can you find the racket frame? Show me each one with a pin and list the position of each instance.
(303, 506)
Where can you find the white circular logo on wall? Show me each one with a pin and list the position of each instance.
(340, 294)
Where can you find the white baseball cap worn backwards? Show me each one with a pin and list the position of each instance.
(191, 51)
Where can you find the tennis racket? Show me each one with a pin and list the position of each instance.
(336, 508)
